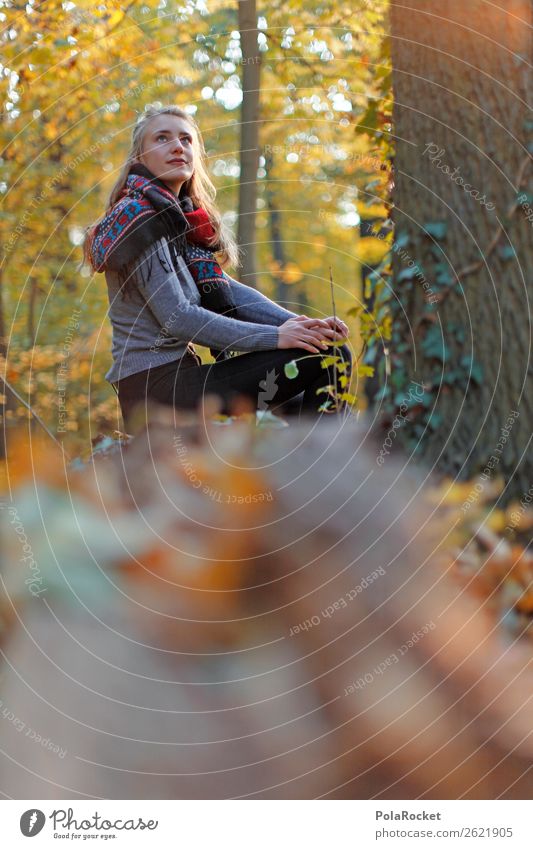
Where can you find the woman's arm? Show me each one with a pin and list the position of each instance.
(162, 289)
(254, 306)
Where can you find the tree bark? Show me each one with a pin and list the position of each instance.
(249, 152)
(462, 262)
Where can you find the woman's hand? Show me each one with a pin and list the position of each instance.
(332, 327)
(336, 324)
(306, 333)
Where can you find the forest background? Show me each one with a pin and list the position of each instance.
(75, 78)
(365, 171)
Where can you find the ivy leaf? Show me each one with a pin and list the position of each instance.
(474, 369)
(434, 345)
(435, 421)
(402, 240)
(506, 252)
(437, 229)
(291, 369)
(407, 273)
(442, 274)
(382, 393)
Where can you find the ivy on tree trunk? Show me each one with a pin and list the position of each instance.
(462, 259)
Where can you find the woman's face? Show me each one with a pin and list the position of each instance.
(168, 150)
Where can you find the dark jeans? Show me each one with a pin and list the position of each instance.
(258, 375)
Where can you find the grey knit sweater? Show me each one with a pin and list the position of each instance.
(163, 316)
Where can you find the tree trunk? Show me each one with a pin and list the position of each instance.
(462, 261)
(367, 229)
(31, 312)
(276, 236)
(249, 153)
(3, 387)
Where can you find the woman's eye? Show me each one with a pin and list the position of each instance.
(185, 139)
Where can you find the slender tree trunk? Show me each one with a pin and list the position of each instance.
(276, 236)
(31, 312)
(3, 388)
(367, 228)
(251, 73)
(463, 264)
(3, 340)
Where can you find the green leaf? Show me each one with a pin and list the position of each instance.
(401, 240)
(435, 421)
(507, 252)
(382, 393)
(407, 273)
(437, 229)
(291, 369)
(474, 369)
(434, 346)
(442, 274)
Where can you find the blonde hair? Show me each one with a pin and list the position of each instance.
(199, 187)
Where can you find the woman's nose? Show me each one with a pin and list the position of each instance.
(177, 146)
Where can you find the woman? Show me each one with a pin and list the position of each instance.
(158, 244)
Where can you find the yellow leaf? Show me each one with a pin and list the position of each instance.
(347, 396)
(496, 521)
(292, 273)
(115, 18)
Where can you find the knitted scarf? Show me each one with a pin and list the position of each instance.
(146, 211)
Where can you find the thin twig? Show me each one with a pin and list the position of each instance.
(332, 295)
(32, 411)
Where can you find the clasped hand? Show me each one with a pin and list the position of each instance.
(311, 333)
